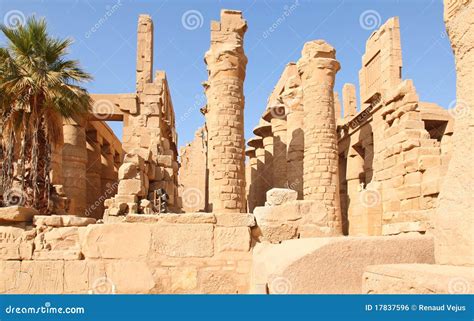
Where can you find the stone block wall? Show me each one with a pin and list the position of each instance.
(186, 253)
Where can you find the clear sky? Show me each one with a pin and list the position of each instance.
(105, 43)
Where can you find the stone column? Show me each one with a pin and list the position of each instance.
(74, 166)
(109, 176)
(317, 68)
(226, 63)
(264, 130)
(95, 207)
(295, 135)
(454, 221)
(276, 115)
(144, 51)
(259, 189)
(252, 178)
(349, 100)
(337, 107)
(355, 214)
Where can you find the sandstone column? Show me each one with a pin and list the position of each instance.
(264, 130)
(454, 221)
(144, 51)
(349, 100)
(252, 177)
(95, 207)
(226, 63)
(295, 134)
(259, 189)
(318, 68)
(337, 107)
(74, 166)
(276, 115)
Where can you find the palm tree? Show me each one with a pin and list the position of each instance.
(38, 88)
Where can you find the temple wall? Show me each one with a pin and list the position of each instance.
(172, 253)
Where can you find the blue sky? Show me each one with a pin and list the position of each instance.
(108, 51)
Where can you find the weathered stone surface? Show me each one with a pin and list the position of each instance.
(235, 219)
(9, 276)
(232, 239)
(278, 196)
(328, 265)
(185, 218)
(116, 241)
(62, 220)
(17, 214)
(418, 279)
(218, 282)
(16, 243)
(58, 244)
(183, 240)
(40, 277)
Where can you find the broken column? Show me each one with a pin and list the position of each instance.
(317, 68)
(251, 178)
(349, 100)
(276, 116)
(454, 221)
(226, 63)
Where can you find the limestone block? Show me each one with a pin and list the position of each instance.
(276, 233)
(278, 196)
(116, 241)
(183, 240)
(232, 239)
(17, 214)
(418, 279)
(235, 219)
(127, 171)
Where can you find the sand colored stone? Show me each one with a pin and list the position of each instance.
(226, 63)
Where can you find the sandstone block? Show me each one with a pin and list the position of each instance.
(235, 219)
(131, 186)
(183, 240)
(17, 214)
(127, 171)
(278, 196)
(232, 239)
(116, 241)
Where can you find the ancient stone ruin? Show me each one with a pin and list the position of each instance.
(329, 196)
